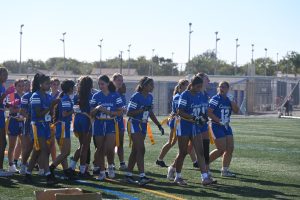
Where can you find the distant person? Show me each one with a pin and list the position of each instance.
(287, 107)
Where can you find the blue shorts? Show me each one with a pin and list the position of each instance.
(203, 129)
(137, 126)
(187, 129)
(42, 129)
(82, 123)
(58, 130)
(15, 127)
(172, 122)
(219, 131)
(121, 124)
(2, 119)
(103, 127)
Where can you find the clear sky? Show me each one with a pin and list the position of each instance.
(154, 24)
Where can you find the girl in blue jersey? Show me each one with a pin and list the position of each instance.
(121, 89)
(179, 88)
(140, 108)
(41, 105)
(62, 121)
(82, 123)
(27, 142)
(204, 129)
(219, 110)
(3, 94)
(191, 120)
(106, 105)
(15, 123)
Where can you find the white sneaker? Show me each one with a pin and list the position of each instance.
(101, 177)
(4, 173)
(111, 172)
(13, 169)
(227, 173)
(179, 181)
(171, 173)
(23, 169)
(41, 172)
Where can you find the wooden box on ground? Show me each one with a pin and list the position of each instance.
(83, 196)
(49, 194)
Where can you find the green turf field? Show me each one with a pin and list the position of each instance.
(266, 160)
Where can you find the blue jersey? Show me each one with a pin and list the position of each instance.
(65, 104)
(190, 104)
(2, 92)
(138, 101)
(25, 102)
(120, 119)
(111, 102)
(203, 96)
(54, 96)
(175, 102)
(86, 108)
(43, 102)
(221, 106)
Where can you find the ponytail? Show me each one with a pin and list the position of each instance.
(180, 83)
(142, 83)
(35, 83)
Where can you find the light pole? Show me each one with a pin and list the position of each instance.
(63, 41)
(252, 45)
(190, 33)
(236, 51)
(128, 59)
(266, 53)
(121, 59)
(152, 64)
(217, 39)
(172, 73)
(21, 33)
(100, 46)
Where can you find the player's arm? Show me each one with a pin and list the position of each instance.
(183, 114)
(133, 110)
(210, 113)
(235, 107)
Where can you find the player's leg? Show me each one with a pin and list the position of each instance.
(110, 143)
(165, 149)
(183, 142)
(227, 156)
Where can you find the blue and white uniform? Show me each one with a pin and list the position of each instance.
(203, 96)
(138, 123)
(25, 104)
(175, 102)
(82, 121)
(2, 115)
(40, 125)
(15, 122)
(221, 107)
(105, 124)
(121, 119)
(190, 104)
(63, 125)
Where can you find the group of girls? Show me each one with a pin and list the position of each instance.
(41, 115)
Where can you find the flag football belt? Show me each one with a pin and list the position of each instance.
(116, 128)
(149, 130)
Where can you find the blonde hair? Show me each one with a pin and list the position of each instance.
(180, 83)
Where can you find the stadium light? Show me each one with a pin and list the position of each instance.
(216, 51)
(100, 46)
(63, 41)
(266, 54)
(252, 45)
(236, 51)
(21, 33)
(128, 58)
(172, 62)
(121, 59)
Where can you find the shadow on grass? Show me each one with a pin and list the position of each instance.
(8, 182)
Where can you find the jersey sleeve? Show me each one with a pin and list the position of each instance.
(93, 102)
(213, 103)
(24, 101)
(119, 102)
(36, 101)
(133, 103)
(66, 104)
(183, 101)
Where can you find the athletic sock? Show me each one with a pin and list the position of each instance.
(160, 160)
(73, 164)
(224, 169)
(47, 173)
(178, 175)
(142, 175)
(204, 175)
(82, 169)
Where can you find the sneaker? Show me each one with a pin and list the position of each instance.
(51, 180)
(227, 173)
(4, 173)
(179, 181)
(207, 181)
(111, 172)
(72, 171)
(69, 174)
(161, 163)
(13, 169)
(23, 169)
(52, 168)
(196, 165)
(84, 175)
(145, 180)
(101, 177)
(123, 167)
(214, 181)
(129, 179)
(41, 172)
(28, 179)
(171, 173)
(36, 167)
